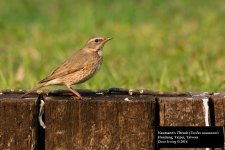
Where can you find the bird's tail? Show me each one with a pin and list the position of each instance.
(33, 89)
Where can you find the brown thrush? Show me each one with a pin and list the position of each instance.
(81, 66)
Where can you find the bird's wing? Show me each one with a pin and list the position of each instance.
(72, 65)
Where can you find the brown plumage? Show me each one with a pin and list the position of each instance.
(81, 66)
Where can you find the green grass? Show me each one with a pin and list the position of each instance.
(159, 45)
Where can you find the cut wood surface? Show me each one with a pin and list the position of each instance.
(106, 119)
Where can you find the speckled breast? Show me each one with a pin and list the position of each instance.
(91, 67)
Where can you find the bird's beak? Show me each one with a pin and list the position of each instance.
(107, 39)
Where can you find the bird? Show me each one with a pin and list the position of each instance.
(80, 67)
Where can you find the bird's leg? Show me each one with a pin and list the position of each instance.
(74, 92)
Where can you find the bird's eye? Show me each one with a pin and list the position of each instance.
(96, 40)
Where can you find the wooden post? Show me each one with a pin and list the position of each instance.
(218, 106)
(100, 123)
(181, 111)
(18, 125)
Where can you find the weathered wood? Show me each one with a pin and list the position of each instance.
(219, 111)
(122, 91)
(181, 111)
(100, 123)
(18, 124)
(107, 119)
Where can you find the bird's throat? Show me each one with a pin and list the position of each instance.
(100, 53)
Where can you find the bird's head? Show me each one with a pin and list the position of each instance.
(95, 44)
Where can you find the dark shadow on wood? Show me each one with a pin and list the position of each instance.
(40, 130)
(156, 121)
(212, 112)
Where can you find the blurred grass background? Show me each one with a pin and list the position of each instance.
(160, 45)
